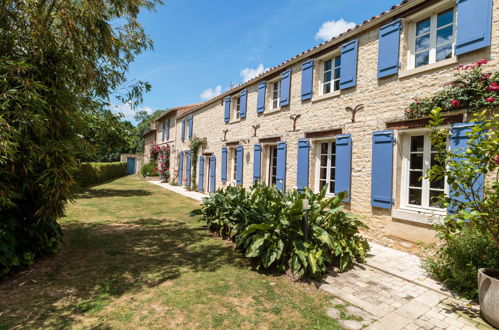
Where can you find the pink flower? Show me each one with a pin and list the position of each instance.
(482, 62)
(455, 103)
(493, 87)
(485, 76)
(496, 160)
(490, 99)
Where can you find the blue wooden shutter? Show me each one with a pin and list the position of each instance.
(381, 173)
(163, 132)
(302, 166)
(213, 164)
(168, 131)
(239, 165)
(191, 123)
(459, 143)
(182, 136)
(307, 79)
(281, 166)
(388, 49)
(244, 98)
(260, 104)
(474, 25)
(285, 88)
(224, 165)
(348, 69)
(188, 169)
(227, 109)
(257, 164)
(201, 173)
(180, 168)
(343, 164)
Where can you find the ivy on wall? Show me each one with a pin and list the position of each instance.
(195, 144)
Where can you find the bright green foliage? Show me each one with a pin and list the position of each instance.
(472, 89)
(95, 173)
(149, 169)
(458, 260)
(59, 63)
(195, 144)
(267, 226)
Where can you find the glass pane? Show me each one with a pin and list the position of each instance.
(423, 27)
(327, 65)
(444, 52)
(326, 89)
(417, 143)
(333, 147)
(337, 61)
(337, 85)
(414, 178)
(416, 162)
(323, 173)
(332, 174)
(336, 73)
(327, 76)
(422, 59)
(333, 160)
(322, 184)
(445, 18)
(422, 43)
(324, 147)
(331, 187)
(435, 199)
(434, 160)
(445, 35)
(415, 196)
(438, 184)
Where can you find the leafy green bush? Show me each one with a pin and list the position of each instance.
(267, 227)
(149, 169)
(458, 260)
(95, 173)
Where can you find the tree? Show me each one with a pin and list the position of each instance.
(145, 122)
(60, 60)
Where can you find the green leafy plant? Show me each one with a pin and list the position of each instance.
(267, 226)
(95, 173)
(149, 169)
(195, 144)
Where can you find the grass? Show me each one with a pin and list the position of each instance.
(133, 258)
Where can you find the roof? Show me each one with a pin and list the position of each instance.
(149, 131)
(180, 110)
(367, 24)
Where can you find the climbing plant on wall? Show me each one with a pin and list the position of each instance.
(194, 145)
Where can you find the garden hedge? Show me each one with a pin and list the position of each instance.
(95, 173)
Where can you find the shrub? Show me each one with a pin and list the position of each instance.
(95, 173)
(457, 262)
(267, 227)
(149, 169)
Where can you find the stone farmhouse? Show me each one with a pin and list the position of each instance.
(334, 115)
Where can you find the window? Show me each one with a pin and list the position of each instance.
(417, 191)
(331, 75)
(275, 94)
(434, 38)
(237, 108)
(272, 166)
(326, 166)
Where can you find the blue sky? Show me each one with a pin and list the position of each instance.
(199, 44)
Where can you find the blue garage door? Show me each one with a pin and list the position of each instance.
(130, 165)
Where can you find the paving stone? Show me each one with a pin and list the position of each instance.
(351, 325)
(392, 321)
(336, 301)
(413, 309)
(430, 298)
(367, 317)
(333, 313)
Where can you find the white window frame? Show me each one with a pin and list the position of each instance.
(318, 145)
(273, 97)
(270, 163)
(432, 13)
(233, 165)
(404, 182)
(237, 107)
(322, 71)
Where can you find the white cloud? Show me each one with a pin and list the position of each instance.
(211, 93)
(128, 112)
(248, 73)
(331, 29)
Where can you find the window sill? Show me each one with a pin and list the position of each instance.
(326, 96)
(265, 113)
(422, 216)
(235, 121)
(429, 67)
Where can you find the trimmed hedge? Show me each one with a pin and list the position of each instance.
(95, 173)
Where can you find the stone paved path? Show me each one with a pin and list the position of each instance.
(390, 291)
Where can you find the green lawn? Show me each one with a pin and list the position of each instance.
(133, 258)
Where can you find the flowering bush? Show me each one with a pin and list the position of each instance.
(164, 161)
(472, 89)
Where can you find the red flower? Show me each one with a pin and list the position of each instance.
(496, 160)
(493, 87)
(485, 76)
(482, 62)
(490, 99)
(455, 103)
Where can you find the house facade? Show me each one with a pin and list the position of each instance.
(334, 115)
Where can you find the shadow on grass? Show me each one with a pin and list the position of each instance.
(100, 193)
(98, 263)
